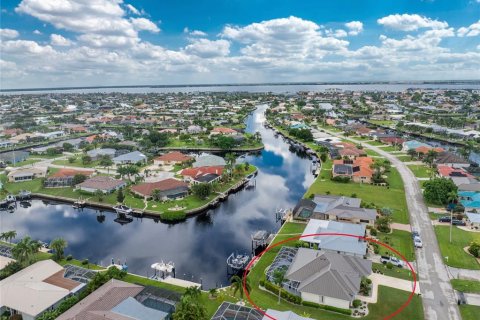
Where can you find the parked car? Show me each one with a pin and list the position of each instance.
(444, 219)
(417, 242)
(393, 260)
(457, 222)
(415, 233)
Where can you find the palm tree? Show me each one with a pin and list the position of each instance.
(193, 292)
(231, 160)
(278, 277)
(24, 252)
(430, 157)
(237, 285)
(412, 153)
(58, 245)
(10, 235)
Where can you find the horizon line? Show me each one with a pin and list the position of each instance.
(251, 84)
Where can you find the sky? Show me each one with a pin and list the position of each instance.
(52, 43)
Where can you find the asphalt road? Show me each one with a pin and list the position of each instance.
(439, 301)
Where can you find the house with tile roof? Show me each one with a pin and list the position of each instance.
(103, 183)
(168, 189)
(172, 158)
(64, 177)
(207, 174)
(358, 170)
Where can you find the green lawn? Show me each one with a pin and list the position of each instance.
(376, 143)
(26, 162)
(421, 171)
(382, 122)
(469, 312)
(392, 197)
(400, 273)
(389, 301)
(77, 163)
(471, 286)
(390, 148)
(405, 158)
(400, 241)
(454, 251)
(372, 153)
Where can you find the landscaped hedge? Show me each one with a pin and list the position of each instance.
(283, 293)
(173, 215)
(328, 308)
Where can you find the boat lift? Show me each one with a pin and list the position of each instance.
(166, 269)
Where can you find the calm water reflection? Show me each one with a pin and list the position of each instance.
(199, 246)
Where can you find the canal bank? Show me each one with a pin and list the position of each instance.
(198, 246)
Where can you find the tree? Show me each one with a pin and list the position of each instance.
(99, 194)
(365, 286)
(436, 190)
(86, 159)
(237, 285)
(230, 159)
(25, 250)
(202, 190)
(8, 235)
(58, 245)
(72, 159)
(412, 153)
(78, 178)
(105, 161)
(223, 142)
(278, 278)
(189, 308)
(383, 224)
(430, 157)
(52, 152)
(474, 249)
(68, 147)
(120, 196)
(247, 165)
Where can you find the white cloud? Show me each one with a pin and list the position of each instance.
(8, 34)
(132, 9)
(144, 24)
(354, 27)
(339, 33)
(207, 48)
(471, 31)
(58, 40)
(198, 33)
(37, 32)
(410, 22)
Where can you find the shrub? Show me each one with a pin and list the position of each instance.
(376, 248)
(85, 262)
(341, 179)
(373, 232)
(328, 308)
(173, 216)
(69, 257)
(389, 265)
(356, 303)
(474, 249)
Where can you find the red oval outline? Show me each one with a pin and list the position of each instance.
(396, 312)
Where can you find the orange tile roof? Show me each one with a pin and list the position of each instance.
(174, 156)
(194, 172)
(223, 130)
(146, 189)
(64, 172)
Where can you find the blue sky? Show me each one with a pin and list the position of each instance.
(47, 43)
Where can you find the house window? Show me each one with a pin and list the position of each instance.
(364, 221)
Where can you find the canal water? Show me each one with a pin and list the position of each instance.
(199, 246)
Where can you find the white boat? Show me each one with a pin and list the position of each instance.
(123, 209)
(11, 198)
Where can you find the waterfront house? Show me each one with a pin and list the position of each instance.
(353, 246)
(64, 177)
(336, 208)
(208, 160)
(103, 183)
(26, 174)
(357, 170)
(6, 144)
(37, 288)
(130, 158)
(223, 131)
(451, 159)
(459, 176)
(172, 158)
(168, 189)
(323, 277)
(413, 144)
(206, 174)
(119, 300)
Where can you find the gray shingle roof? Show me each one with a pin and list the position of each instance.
(328, 274)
